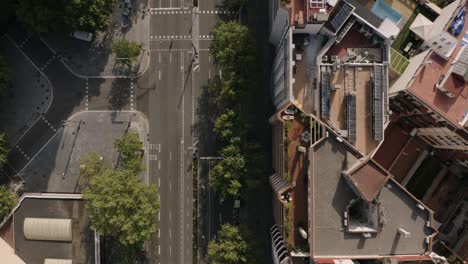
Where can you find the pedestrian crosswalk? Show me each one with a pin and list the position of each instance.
(186, 12)
(171, 12)
(180, 37)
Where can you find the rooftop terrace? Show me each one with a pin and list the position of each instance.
(354, 81)
(424, 85)
(331, 194)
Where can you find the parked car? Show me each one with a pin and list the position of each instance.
(82, 35)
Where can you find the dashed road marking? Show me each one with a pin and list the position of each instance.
(48, 124)
(87, 94)
(49, 61)
(24, 42)
(179, 37)
(172, 12)
(22, 152)
(131, 94)
(167, 50)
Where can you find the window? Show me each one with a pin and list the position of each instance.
(434, 43)
(439, 47)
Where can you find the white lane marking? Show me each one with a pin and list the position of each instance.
(159, 164)
(159, 74)
(209, 73)
(87, 94)
(159, 148)
(170, 155)
(170, 57)
(182, 149)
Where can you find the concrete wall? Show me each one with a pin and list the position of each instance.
(279, 25)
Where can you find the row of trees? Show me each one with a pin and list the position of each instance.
(119, 205)
(234, 51)
(44, 16)
(231, 246)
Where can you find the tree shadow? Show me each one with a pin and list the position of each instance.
(119, 94)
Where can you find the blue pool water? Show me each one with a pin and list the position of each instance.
(382, 10)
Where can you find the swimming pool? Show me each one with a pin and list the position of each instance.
(382, 10)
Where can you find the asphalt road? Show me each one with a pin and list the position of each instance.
(175, 82)
(167, 93)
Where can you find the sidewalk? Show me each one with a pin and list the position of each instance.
(96, 59)
(29, 97)
(56, 167)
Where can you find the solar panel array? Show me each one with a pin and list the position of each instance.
(325, 94)
(341, 16)
(378, 103)
(461, 66)
(351, 117)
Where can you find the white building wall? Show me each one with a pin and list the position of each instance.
(279, 24)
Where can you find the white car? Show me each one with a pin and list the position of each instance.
(82, 35)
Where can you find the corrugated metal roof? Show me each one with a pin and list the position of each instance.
(48, 229)
(58, 261)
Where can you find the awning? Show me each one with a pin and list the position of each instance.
(279, 185)
(421, 26)
(48, 229)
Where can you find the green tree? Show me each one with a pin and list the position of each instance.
(226, 125)
(44, 16)
(229, 247)
(7, 201)
(130, 146)
(233, 46)
(3, 149)
(90, 165)
(88, 15)
(41, 16)
(126, 51)
(225, 177)
(5, 76)
(122, 207)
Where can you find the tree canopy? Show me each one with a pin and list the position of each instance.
(7, 201)
(3, 149)
(233, 46)
(229, 247)
(122, 207)
(225, 125)
(88, 15)
(226, 176)
(90, 164)
(130, 146)
(45, 16)
(126, 51)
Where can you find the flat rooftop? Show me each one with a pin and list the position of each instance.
(368, 178)
(331, 194)
(355, 80)
(424, 85)
(80, 250)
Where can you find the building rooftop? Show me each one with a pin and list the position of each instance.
(331, 195)
(368, 179)
(81, 249)
(356, 82)
(453, 107)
